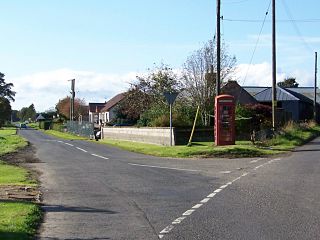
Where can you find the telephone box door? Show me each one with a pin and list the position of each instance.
(224, 120)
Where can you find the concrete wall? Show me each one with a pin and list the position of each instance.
(159, 136)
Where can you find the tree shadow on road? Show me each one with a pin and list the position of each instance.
(60, 208)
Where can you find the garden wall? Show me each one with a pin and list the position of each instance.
(157, 135)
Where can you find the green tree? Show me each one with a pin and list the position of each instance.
(27, 113)
(5, 89)
(289, 82)
(147, 91)
(5, 110)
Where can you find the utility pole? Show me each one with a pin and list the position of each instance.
(274, 66)
(73, 94)
(218, 49)
(315, 88)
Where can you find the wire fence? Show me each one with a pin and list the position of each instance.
(85, 129)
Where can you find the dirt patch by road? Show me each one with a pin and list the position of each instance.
(24, 158)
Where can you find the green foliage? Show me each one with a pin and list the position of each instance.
(45, 125)
(5, 89)
(147, 92)
(288, 82)
(294, 134)
(27, 113)
(5, 110)
(158, 115)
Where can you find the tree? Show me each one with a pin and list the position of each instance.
(289, 82)
(27, 113)
(63, 107)
(5, 89)
(5, 110)
(200, 85)
(148, 91)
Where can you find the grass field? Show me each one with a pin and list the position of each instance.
(18, 220)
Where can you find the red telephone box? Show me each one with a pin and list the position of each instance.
(224, 122)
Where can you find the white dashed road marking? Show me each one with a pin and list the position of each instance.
(69, 144)
(81, 149)
(225, 172)
(187, 213)
(151, 166)
(99, 156)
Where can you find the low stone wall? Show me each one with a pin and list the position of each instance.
(159, 136)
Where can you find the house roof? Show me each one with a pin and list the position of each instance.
(239, 93)
(283, 94)
(307, 92)
(302, 92)
(40, 117)
(112, 102)
(96, 107)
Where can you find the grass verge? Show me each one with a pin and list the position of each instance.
(63, 135)
(203, 149)
(292, 135)
(18, 219)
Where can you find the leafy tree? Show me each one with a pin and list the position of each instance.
(63, 107)
(5, 110)
(27, 113)
(5, 89)
(200, 85)
(147, 91)
(289, 82)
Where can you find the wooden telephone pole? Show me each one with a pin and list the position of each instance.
(315, 88)
(218, 49)
(274, 66)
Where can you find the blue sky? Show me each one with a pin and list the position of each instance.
(104, 44)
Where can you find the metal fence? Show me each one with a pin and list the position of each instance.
(85, 129)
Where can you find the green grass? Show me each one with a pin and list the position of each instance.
(18, 220)
(203, 149)
(33, 125)
(10, 141)
(294, 135)
(13, 175)
(67, 136)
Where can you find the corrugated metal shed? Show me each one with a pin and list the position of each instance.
(282, 95)
(307, 92)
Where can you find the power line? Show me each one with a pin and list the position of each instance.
(257, 42)
(311, 20)
(295, 26)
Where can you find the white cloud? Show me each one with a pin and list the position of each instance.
(261, 75)
(44, 89)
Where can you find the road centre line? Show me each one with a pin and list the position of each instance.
(151, 166)
(187, 213)
(95, 155)
(256, 160)
(81, 149)
(69, 144)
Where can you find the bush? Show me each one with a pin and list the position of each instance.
(46, 125)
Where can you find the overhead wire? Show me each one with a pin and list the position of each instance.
(256, 44)
(295, 26)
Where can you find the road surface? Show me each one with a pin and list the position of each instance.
(92, 191)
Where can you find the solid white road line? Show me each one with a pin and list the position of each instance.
(99, 156)
(81, 149)
(151, 166)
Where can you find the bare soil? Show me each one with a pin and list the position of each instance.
(23, 158)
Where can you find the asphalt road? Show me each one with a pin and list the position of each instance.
(92, 191)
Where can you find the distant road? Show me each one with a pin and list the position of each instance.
(92, 191)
